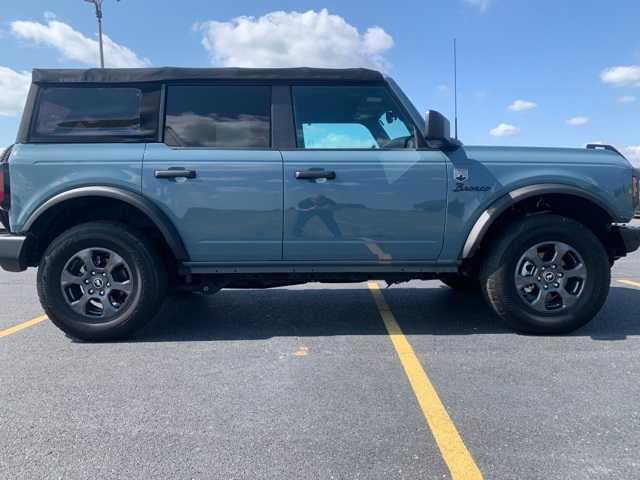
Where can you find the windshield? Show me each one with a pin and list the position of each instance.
(417, 117)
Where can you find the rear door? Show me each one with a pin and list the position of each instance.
(357, 189)
(216, 175)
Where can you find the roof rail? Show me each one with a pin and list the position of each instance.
(602, 146)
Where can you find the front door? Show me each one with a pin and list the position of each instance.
(356, 188)
(216, 175)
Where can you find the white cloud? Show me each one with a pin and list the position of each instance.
(622, 76)
(633, 154)
(578, 121)
(522, 106)
(14, 87)
(505, 130)
(294, 39)
(627, 99)
(73, 45)
(191, 128)
(483, 5)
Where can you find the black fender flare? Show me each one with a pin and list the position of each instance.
(491, 214)
(153, 212)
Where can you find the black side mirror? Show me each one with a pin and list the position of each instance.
(390, 117)
(438, 130)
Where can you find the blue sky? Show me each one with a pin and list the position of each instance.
(561, 59)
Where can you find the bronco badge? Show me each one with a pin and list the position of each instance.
(460, 175)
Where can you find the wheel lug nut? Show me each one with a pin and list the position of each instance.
(91, 291)
(108, 284)
(560, 275)
(546, 287)
(554, 266)
(101, 292)
(104, 274)
(557, 285)
(539, 279)
(93, 273)
(86, 282)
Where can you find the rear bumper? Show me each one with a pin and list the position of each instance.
(12, 252)
(630, 237)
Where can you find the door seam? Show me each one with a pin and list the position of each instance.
(282, 217)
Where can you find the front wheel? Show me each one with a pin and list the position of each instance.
(101, 281)
(547, 274)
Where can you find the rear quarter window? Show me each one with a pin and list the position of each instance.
(101, 113)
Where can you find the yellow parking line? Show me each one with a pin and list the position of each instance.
(22, 326)
(630, 282)
(453, 450)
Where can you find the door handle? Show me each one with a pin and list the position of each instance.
(175, 173)
(315, 174)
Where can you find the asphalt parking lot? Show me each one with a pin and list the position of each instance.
(307, 382)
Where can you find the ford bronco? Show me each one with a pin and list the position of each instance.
(128, 184)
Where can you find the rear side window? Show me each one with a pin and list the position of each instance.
(97, 113)
(218, 116)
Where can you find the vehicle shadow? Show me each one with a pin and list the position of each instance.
(263, 314)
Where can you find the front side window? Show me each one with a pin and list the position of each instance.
(218, 116)
(90, 112)
(349, 117)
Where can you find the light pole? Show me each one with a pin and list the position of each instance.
(98, 5)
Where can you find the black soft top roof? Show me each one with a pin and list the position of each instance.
(131, 75)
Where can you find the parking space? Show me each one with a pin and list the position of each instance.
(306, 382)
(18, 298)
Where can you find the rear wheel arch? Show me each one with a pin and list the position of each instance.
(565, 200)
(83, 204)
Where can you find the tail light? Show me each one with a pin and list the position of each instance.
(4, 179)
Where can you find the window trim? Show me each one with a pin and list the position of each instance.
(24, 130)
(220, 83)
(162, 112)
(419, 143)
(147, 89)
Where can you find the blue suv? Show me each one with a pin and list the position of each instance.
(126, 184)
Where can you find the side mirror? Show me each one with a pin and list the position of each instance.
(438, 130)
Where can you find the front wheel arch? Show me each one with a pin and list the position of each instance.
(560, 199)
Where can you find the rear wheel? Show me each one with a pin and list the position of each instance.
(101, 281)
(547, 275)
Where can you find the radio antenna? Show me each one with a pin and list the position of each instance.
(455, 85)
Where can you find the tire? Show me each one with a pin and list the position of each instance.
(122, 262)
(583, 285)
(461, 283)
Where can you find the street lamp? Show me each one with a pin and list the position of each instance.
(98, 5)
